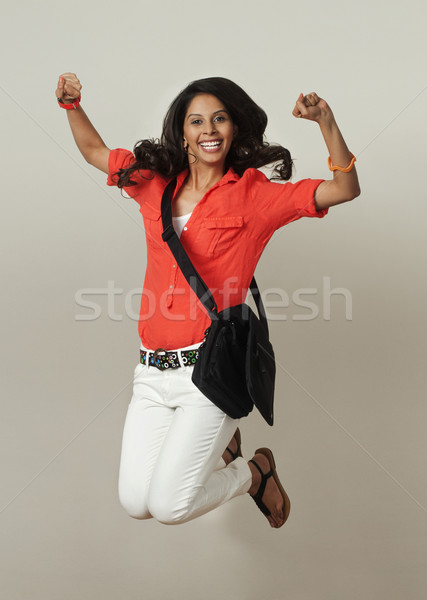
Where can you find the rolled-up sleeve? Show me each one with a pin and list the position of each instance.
(282, 203)
(118, 159)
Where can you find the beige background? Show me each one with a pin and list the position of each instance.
(349, 437)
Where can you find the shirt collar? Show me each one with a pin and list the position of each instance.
(229, 177)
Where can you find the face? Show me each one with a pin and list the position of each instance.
(208, 130)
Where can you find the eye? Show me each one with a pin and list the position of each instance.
(196, 122)
(220, 118)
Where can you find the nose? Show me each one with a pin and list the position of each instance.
(210, 128)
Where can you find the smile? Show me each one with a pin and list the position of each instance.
(211, 146)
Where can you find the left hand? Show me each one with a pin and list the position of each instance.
(312, 108)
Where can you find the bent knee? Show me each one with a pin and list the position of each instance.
(167, 512)
(135, 508)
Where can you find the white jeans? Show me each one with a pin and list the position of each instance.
(171, 466)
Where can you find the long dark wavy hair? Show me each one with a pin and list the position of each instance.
(168, 158)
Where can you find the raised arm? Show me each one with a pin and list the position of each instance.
(344, 186)
(88, 140)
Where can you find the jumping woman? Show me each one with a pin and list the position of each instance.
(181, 454)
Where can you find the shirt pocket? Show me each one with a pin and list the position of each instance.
(219, 233)
(152, 225)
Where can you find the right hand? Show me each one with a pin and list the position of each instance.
(68, 87)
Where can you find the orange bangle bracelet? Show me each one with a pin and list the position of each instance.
(343, 169)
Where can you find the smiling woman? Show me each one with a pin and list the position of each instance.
(181, 454)
(249, 149)
(209, 129)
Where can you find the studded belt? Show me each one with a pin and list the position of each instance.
(164, 359)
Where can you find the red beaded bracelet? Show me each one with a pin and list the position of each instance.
(74, 104)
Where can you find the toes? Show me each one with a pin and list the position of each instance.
(272, 497)
(278, 514)
(274, 520)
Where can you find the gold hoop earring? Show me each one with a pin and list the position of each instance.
(188, 157)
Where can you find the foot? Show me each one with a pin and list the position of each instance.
(272, 498)
(233, 448)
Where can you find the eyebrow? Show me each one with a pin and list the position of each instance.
(215, 113)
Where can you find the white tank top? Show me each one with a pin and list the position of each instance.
(179, 223)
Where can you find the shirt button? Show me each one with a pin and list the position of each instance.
(185, 228)
(171, 286)
(174, 266)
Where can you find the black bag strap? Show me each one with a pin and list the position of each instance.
(193, 278)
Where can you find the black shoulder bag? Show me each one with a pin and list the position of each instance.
(236, 367)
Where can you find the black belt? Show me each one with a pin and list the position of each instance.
(164, 359)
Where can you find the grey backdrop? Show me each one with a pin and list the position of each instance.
(350, 407)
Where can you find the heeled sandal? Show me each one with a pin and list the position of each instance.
(238, 439)
(264, 478)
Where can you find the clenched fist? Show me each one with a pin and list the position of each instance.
(312, 107)
(68, 87)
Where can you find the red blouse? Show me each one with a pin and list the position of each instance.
(224, 237)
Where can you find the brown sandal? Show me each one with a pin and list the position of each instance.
(264, 477)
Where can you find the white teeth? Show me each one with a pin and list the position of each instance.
(210, 144)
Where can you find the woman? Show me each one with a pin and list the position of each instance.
(176, 464)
